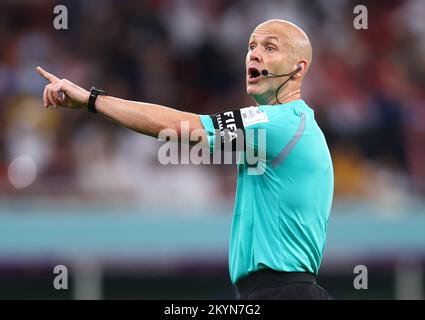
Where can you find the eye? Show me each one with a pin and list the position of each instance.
(251, 47)
(270, 49)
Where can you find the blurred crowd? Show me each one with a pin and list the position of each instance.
(366, 87)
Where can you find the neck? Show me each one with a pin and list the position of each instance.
(286, 97)
(283, 97)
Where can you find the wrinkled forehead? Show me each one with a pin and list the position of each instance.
(270, 30)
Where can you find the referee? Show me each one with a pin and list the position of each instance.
(280, 216)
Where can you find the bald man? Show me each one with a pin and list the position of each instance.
(281, 213)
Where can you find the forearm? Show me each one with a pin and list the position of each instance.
(145, 118)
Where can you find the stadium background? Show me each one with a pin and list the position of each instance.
(80, 191)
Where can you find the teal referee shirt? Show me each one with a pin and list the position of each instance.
(280, 216)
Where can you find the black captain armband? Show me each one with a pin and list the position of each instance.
(229, 130)
(230, 127)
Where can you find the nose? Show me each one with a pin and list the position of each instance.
(254, 56)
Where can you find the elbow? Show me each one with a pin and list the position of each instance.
(187, 132)
(182, 129)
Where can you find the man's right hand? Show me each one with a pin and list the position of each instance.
(62, 92)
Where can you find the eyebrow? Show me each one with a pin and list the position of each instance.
(271, 38)
(268, 38)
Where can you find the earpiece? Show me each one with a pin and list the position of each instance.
(299, 68)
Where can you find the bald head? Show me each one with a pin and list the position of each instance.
(293, 38)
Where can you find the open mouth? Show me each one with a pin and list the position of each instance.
(253, 73)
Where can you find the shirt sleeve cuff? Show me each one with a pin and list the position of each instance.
(209, 130)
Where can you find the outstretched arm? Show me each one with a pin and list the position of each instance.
(145, 118)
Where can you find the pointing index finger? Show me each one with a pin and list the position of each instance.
(48, 76)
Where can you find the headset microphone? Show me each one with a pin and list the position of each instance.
(266, 73)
